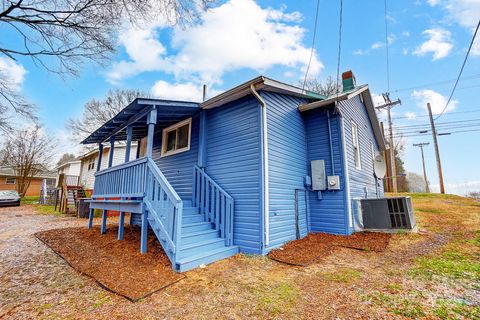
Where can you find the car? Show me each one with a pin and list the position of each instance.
(9, 198)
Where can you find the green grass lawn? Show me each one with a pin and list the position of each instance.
(30, 200)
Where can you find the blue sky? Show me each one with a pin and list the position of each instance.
(241, 39)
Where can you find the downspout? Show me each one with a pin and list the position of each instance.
(331, 143)
(345, 168)
(266, 204)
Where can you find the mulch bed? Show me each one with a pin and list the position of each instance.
(116, 265)
(315, 246)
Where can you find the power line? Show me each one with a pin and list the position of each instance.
(313, 45)
(339, 43)
(461, 70)
(448, 113)
(437, 124)
(427, 133)
(386, 46)
(474, 76)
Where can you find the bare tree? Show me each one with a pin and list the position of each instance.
(66, 157)
(60, 35)
(97, 112)
(28, 152)
(415, 182)
(328, 87)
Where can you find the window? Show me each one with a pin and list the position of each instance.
(176, 138)
(91, 164)
(356, 146)
(10, 181)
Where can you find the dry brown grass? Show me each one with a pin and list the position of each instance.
(431, 275)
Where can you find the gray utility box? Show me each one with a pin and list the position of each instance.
(388, 213)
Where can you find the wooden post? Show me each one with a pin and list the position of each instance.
(104, 222)
(90, 218)
(151, 122)
(129, 143)
(393, 169)
(421, 145)
(144, 233)
(387, 162)
(100, 155)
(121, 223)
(112, 149)
(437, 152)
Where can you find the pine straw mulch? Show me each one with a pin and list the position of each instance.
(315, 246)
(117, 266)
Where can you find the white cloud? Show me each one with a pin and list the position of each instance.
(377, 45)
(433, 3)
(411, 115)
(436, 100)
(439, 43)
(180, 91)
(360, 52)
(238, 34)
(12, 73)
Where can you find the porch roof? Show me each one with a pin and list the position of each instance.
(135, 115)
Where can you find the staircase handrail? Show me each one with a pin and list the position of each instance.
(214, 203)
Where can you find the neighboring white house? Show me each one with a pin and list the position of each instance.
(89, 161)
(71, 168)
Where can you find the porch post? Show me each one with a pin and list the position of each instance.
(144, 233)
(151, 121)
(90, 218)
(129, 143)
(104, 222)
(202, 143)
(121, 225)
(112, 149)
(100, 154)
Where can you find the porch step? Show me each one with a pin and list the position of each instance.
(192, 218)
(197, 226)
(198, 236)
(206, 257)
(190, 210)
(203, 246)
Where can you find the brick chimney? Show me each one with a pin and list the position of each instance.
(348, 81)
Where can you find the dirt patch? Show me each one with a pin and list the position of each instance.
(315, 246)
(116, 265)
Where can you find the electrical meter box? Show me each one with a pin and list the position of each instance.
(333, 182)
(318, 175)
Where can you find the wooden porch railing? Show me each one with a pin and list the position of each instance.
(215, 203)
(165, 206)
(125, 180)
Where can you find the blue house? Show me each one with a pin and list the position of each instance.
(245, 171)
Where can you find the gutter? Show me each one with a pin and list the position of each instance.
(266, 200)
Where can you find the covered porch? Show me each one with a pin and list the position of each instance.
(165, 183)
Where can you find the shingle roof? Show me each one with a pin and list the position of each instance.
(8, 171)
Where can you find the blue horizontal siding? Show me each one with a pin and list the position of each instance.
(287, 152)
(328, 214)
(178, 168)
(233, 161)
(362, 181)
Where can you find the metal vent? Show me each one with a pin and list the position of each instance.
(388, 213)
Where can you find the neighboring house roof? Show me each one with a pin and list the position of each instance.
(362, 90)
(8, 171)
(68, 163)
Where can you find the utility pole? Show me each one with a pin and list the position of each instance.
(437, 153)
(421, 145)
(389, 105)
(388, 181)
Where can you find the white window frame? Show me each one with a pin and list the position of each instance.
(174, 127)
(356, 146)
(10, 184)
